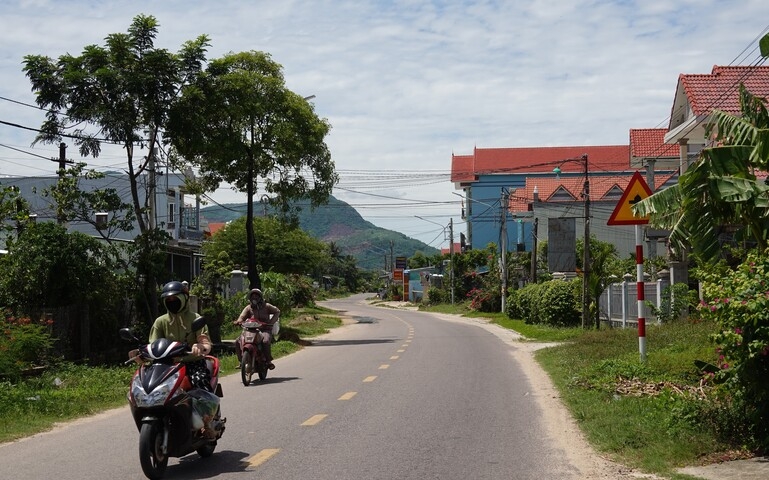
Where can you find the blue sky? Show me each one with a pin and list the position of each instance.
(405, 84)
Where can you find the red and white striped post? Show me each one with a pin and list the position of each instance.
(639, 267)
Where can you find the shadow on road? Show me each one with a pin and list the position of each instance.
(193, 466)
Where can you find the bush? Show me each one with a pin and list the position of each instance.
(550, 303)
(738, 301)
(437, 295)
(23, 344)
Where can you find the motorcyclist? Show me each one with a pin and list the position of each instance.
(264, 312)
(176, 325)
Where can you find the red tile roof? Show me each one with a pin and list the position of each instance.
(538, 160)
(600, 186)
(720, 89)
(462, 168)
(650, 143)
(447, 250)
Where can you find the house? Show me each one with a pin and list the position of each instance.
(697, 95)
(174, 211)
(541, 184)
(536, 184)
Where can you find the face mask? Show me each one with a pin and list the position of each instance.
(173, 304)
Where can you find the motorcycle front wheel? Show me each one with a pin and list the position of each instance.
(151, 455)
(246, 368)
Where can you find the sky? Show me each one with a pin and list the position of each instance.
(407, 83)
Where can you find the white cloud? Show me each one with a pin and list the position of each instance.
(407, 83)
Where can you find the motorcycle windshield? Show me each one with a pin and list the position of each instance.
(156, 374)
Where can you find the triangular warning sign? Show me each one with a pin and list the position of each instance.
(636, 191)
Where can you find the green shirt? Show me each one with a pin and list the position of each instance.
(179, 331)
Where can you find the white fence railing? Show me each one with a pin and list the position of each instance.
(619, 302)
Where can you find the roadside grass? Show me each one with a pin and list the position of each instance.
(644, 414)
(66, 391)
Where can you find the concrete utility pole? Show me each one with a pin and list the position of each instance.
(534, 251)
(586, 253)
(451, 257)
(503, 247)
(61, 171)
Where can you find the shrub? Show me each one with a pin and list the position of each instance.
(23, 344)
(550, 303)
(558, 303)
(739, 301)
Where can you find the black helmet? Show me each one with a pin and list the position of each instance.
(174, 288)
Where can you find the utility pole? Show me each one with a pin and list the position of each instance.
(503, 247)
(451, 257)
(586, 253)
(534, 251)
(61, 171)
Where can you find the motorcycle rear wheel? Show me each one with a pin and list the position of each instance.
(246, 368)
(262, 371)
(151, 457)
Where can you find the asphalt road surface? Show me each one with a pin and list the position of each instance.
(394, 394)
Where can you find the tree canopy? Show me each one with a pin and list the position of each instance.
(240, 124)
(279, 247)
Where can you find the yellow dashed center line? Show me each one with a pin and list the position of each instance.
(401, 350)
(262, 457)
(384, 366)
(369, 379)
(394, 357)
(348, 395)
(314, 420)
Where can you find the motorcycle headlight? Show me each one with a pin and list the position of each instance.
(156, 397)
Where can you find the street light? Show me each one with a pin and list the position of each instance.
(451, 250)
(586, 253)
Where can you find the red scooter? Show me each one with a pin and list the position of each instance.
(253, 359)
(173, 418)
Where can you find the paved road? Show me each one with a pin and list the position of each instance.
(394, 394)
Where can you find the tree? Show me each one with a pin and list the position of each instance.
(121, 94)
(280, 247)
(603, 256)
(240, 124)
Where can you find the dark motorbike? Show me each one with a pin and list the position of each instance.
(253, 359)
(173, 417)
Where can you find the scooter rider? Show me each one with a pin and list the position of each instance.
(176, 325)
(264, 312)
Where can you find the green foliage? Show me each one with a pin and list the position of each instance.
(676, 300)
(240, 124)
(122, 90)
(23, 344)
(551, 303)
(48, 267)
(739, 301)
(278, 247)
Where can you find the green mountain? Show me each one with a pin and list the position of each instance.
(337, 222)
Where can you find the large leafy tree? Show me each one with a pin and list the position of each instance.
(279, 247)
(240, 124)
(120, 93)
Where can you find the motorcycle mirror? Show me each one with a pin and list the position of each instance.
(125, 334)
(198, 323)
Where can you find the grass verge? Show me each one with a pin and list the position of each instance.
(66, 391)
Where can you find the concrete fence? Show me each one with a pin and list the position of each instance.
(619, 302)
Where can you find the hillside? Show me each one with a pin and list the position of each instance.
(337, 222)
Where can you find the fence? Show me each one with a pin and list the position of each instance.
(619, 302)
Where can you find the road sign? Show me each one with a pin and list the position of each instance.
(636, 191)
